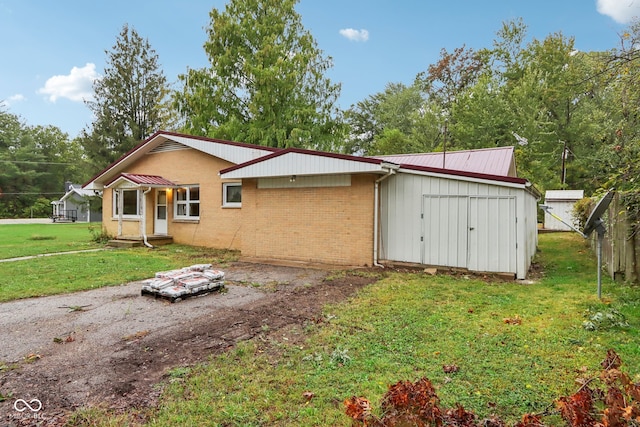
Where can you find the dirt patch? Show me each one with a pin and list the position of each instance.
(111, 346)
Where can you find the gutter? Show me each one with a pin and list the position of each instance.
(144, 218)
(391, 169)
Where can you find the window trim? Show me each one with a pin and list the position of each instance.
(187, 203)
(225, 202)
(114, 209)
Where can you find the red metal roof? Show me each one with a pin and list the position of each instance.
(490, 161)
(151, 180)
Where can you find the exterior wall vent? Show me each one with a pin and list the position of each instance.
(168, 146)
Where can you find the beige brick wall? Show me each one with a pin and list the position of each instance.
(331, 225)
(218, 227)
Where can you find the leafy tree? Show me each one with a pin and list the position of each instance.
(130, 99)
(620, 126)
(34, 163)
(446, 80)
(266, 82)
(392, 112)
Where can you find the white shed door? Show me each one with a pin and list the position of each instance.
(445, 230)
(492, 234)
(473, 232)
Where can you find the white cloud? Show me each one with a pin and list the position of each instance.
(13, 99)
(356, 35)
(622, 11)
(76, 86)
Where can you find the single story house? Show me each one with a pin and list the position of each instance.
(560, 203)
(75, 205)
(309, 206)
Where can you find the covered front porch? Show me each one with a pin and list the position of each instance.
(141, 207)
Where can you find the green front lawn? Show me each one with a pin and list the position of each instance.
(77, 272)
(18, 240)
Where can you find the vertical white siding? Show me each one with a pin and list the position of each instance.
(440, 210)
(492, 234)
(445, 231)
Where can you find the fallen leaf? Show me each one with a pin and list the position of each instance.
(515, 320)
(448, 369)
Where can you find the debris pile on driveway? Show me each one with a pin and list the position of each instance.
(174, 285)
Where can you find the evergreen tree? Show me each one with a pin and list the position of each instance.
(130, 99)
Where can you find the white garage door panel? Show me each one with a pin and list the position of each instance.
(445, 231)
(474, 232)
(492, 234)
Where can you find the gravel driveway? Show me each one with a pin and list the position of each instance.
(111, 345)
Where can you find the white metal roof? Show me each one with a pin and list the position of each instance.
(559, 195)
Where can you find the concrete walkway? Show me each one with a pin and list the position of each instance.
(40, 221)
(23, 258)
(26, 221)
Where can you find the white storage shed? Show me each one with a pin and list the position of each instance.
(461, 219)
(560, 203)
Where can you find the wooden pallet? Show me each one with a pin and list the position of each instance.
(158, 295)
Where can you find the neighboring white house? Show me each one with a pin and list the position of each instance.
(560, 203)
(75, 205)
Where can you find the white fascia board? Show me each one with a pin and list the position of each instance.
(465, 178)
(94, 186)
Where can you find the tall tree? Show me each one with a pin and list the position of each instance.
(446, 80)
(130, 99)
(34, 164)
(266, 82)
(372, 121)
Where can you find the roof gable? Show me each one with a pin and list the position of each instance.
(234, 152)
(564, 195)
(76, 189)
(135, 180)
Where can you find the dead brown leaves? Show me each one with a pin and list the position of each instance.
(417, 404)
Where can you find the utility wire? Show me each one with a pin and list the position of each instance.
(36, 163)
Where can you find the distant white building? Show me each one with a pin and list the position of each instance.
(75, 205)
(561, 203)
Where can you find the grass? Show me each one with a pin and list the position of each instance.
(408, 326)
(20, 240)
(404, 327)
(70, 273)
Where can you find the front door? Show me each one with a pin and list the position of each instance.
(160, 217)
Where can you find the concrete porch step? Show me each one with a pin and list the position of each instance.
(136, 241)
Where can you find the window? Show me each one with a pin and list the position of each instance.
(232, 195)
(130, 205)
(187, 203)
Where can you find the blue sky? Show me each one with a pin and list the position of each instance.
(51, 51)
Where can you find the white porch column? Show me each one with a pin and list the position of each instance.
(118, 193)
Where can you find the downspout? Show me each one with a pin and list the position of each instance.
(391, 170)
(144, 218)
(120, 207)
